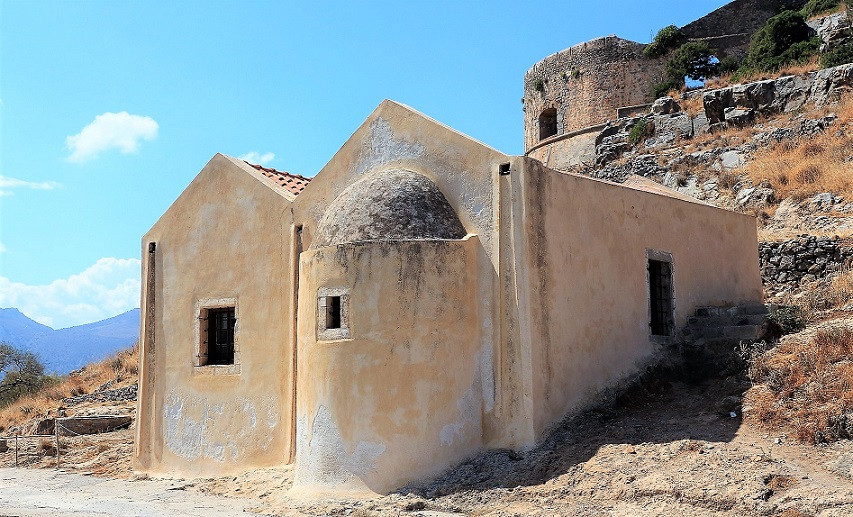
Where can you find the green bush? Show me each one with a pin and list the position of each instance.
(662, 89)
(786, 319)
(814, 7)
(783, 40)
(838, 55)
(728, 65)
(539, 85)
(638, 132)
(667, 38)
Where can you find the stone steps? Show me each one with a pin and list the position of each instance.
(727, 324)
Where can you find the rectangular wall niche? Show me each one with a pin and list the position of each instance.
(217, 335)
(332, 314)
(661, 299)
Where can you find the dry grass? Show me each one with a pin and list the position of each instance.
(122, 368)
(692, 105)
(827, 294)
(775, 234)
(808, 166)
(796, 69)
(805, 384)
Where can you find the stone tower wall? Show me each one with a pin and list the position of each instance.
(586, 83)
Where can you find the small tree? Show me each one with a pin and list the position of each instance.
(784, 39)
(667, 38)
(23, 374)
(694, 60)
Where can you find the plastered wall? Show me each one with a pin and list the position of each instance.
(586, 253)
(401, 398)
(225, 241)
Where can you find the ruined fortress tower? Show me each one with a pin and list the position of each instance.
(570, 95)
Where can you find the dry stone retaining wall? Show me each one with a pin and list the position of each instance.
(805, 258)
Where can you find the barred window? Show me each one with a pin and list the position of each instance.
(660, 297)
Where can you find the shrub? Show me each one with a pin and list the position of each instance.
(838, 55)
(728, 65)
(814, 7)
(667, 38)
(786, 319)
(662, 89)
(539, 85)
(693, 60)
(638, 132)
(784, 39)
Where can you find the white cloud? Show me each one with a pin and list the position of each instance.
(7, 183)
(2, 248)
(258, 158)
(121, 131)
(107, 288)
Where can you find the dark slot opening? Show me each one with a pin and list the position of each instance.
(503, 169)
(333, 312)
(548, 123)
(660, 297)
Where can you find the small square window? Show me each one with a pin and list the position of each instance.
(332, 314)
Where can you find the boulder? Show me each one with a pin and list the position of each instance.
(665, 106)
(93, 424)
(732, 159)
(739, 117)
(832, 29)
(45, 426)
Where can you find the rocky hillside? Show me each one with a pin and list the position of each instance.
(781, 149)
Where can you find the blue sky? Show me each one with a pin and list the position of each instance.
(109, 109)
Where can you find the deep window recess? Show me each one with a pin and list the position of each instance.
(660, 297)
(503, 169)
(220, 336)
(548, 123)
(333, 312)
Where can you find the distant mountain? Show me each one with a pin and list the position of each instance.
(68, 349)
(17, 328)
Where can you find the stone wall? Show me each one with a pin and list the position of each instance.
(805, 258)
(587, 83)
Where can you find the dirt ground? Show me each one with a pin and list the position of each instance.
(668, 452)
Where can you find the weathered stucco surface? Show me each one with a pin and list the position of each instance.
(586, 253)
(401, 398)
(518, 298)
(211, 419)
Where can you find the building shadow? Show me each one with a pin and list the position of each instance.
(661, 407)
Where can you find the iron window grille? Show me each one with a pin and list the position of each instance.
(220, 336)
(660, 297)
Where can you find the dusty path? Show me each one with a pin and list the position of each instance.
(37, 492)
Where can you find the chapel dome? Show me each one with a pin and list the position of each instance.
(389, 205)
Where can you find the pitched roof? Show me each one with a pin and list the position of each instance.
(292, 182)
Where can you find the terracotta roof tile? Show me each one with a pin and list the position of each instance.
(292, 182)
